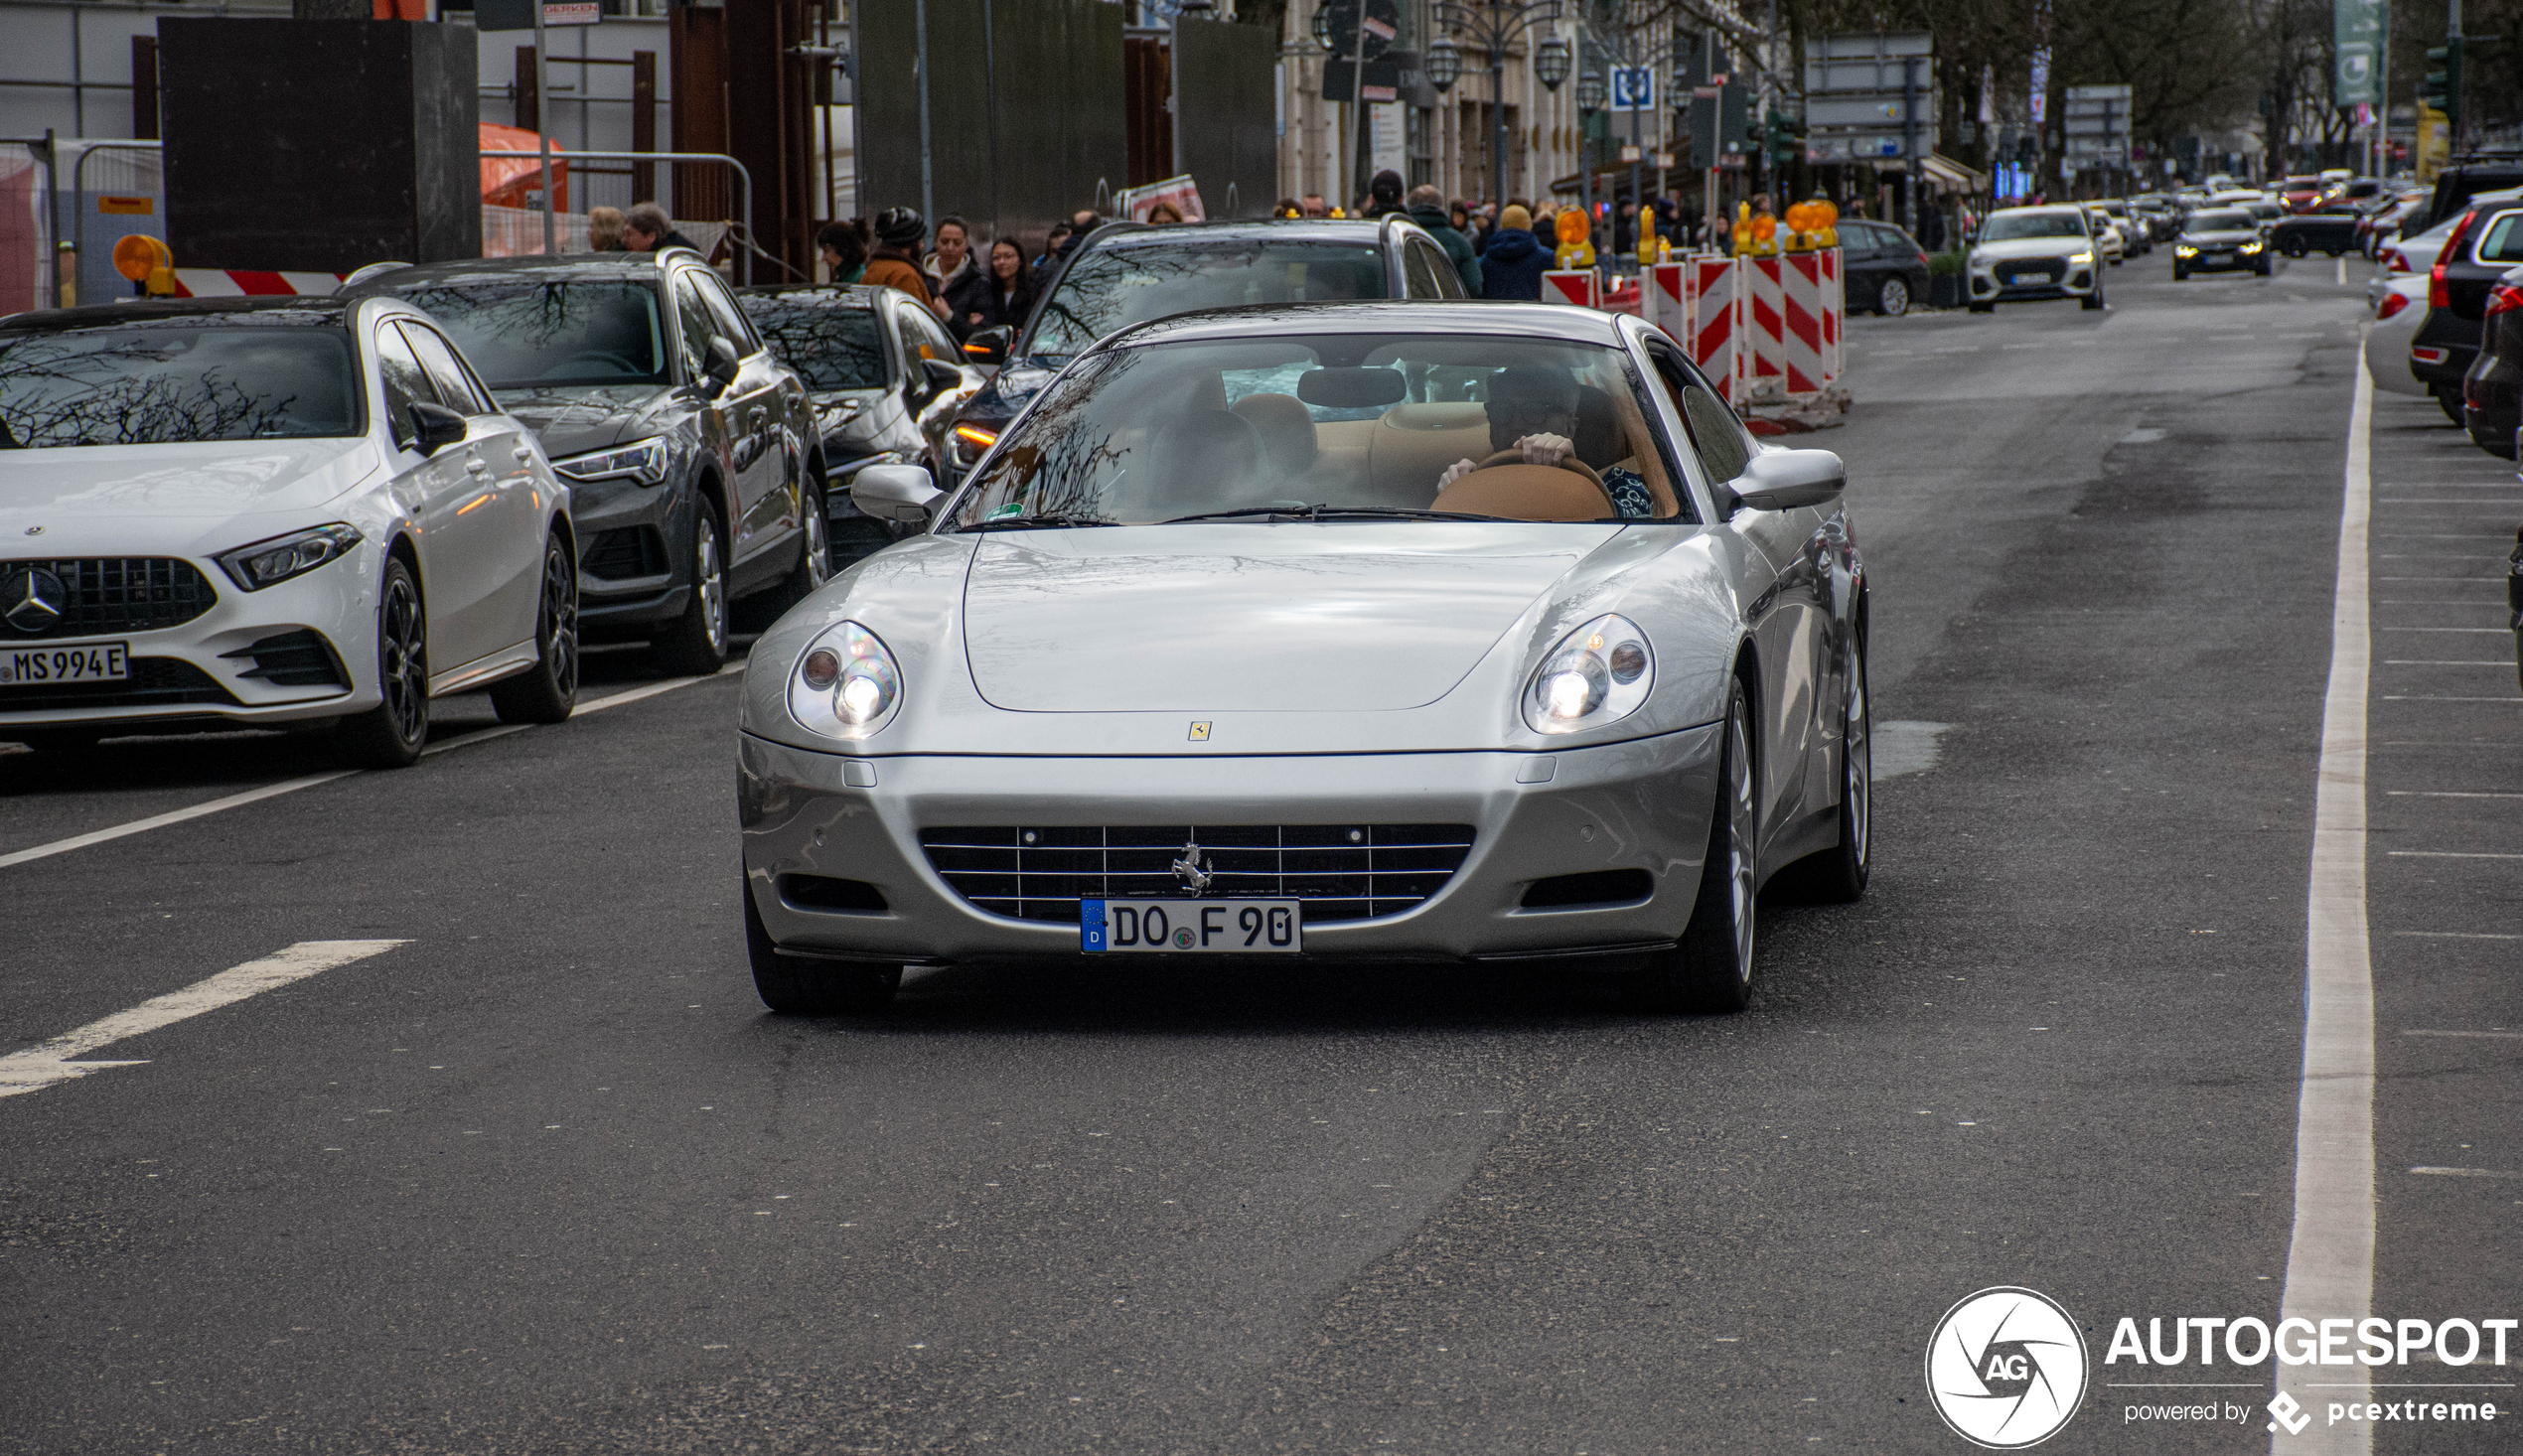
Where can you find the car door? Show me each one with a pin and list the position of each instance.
(759, 466)
(1449, 281)
(933, 406)
(1418, 278)
(448, 499)
(694, 328)
(1785, 593)
(510, 530)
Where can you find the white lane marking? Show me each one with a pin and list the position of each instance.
(172, 816)
(2447, 854)
(2460, 935)
(2500, 1036)
(2466, 1173)
(2343, 270)
(2446, 663)
(292, 786)
(47, 1064)
(2497, 580)
(2499, 630)
(2445, 793)
(2330, 1255)
(2407, 697)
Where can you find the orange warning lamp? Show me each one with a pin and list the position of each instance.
(145, 260)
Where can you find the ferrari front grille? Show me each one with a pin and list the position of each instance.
(1341, 871)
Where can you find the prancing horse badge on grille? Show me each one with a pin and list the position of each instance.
(1188, 868)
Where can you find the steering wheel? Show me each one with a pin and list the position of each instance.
(1514, 456)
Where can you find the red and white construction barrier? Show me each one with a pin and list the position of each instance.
(246, 282)
(1712, 321)
(1763, 330)
(1581, 286)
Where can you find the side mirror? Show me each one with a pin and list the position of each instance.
(1785, 479)
(990, 345)
(901, 492)
(435, 427)
(723, 366)
(942, 376)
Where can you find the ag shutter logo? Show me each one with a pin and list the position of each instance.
(2005, 1368)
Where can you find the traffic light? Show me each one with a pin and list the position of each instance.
(1786, 139)
(2442, 88)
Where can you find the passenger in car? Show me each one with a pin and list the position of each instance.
(1541, 413)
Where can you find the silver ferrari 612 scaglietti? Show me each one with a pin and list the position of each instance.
(1377, 632)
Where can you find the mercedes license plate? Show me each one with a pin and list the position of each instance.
(1192, 926)
(84, 661)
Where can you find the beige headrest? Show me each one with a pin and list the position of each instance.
(1287, 428)
(1526, 493)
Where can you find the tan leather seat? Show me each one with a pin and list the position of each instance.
(1526, 493)
(1286, 427)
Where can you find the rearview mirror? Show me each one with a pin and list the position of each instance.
(435, 427)
(723, 366)
(1350, 388)
(894, 492)
(990, 345)
(1785, 479)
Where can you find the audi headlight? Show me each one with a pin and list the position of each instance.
(1598, 674)
(2074, 259)
(2184, 251)
(643, 461)
(282, 557)
(846, 684)
(2249, 247)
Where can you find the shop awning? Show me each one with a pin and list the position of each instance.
(1952, 175)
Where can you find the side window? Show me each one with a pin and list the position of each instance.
(1450, 282)
(934, 334)
(436, 357)
(1415, 270)
(693, 323)
(1717, 437)
(2504, 240)
(729, 319)
(916, 346)
(406, 383)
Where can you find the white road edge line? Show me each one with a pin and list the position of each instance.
(2499, 1036)
(47, 1064)
(2330, 1256)
(310, 780)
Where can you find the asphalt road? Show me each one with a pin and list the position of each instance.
(507, 1186)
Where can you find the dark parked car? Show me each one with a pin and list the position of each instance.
(695, 469)
(1126, 274)
(2219, 241)
(2329, 228)
(2492, 388)
(2484, 244)
(886, 383)
(1884, 268)
(2458, 183)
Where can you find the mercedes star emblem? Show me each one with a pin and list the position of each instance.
(31, 599)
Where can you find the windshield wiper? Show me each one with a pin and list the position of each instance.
(1039, 520)
(1288, 511)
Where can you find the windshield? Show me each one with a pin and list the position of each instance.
(1122, 284)
(2222, 223)
(167, 384)
(1369, 422)
(830, 346)
(2006, 227)
(521, 336)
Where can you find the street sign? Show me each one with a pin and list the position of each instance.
(572, 12)
(2096, 124)
(1865, 62)
(519, 15)
(1865, 112)
(1336, 27)
(1854, 147)
(1633, 88)
(2357, 33)
(1867, 94)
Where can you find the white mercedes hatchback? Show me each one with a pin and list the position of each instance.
(288, 511)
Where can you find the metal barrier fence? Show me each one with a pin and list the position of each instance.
(121, 185)
(708, 193)
(28, 272)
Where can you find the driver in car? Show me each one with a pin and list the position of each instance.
(1533, 412)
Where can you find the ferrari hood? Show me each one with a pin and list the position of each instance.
(1356, 616)
(144, 483)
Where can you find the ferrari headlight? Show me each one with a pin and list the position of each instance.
(1595, 674)
(846, 684)
(265, 563)
(643, 461)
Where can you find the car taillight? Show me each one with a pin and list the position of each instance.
(2398, 262)
(2504, 298)
(2392, 303)
(2438, 295)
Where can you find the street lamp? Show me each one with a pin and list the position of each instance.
(1551, 62)
(1445, 64)
(1323, 26)
(1492, 26)
(1590, 92)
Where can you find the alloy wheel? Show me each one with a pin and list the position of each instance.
(558, 622)
(1740, 846)
(710, 580)
(819, 546)
(1857, 753)
(1894, 296)
(402, 658)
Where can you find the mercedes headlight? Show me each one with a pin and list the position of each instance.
(643, 461)
(276, 560)
(846, 684)
(1596, 675)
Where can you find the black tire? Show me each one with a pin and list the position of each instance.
(548, 690)
(391, 734)
(1710, 968)
(695, 645)
(792, 985)
(2293, 247)
(1984, 307)
(2449, 402)
(815, 563)
(2181, 274)
(1892, 296)
(2265, 270)
(2091, 301)
(1839, 875)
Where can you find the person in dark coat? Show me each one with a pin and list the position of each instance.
(1384, 194)
(1427, 209)
(1001, 295)
(1512, 264)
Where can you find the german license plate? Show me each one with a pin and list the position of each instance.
(1192, 926)
(85, 662)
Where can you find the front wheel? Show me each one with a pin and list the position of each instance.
(695, 645)
(547, 691)
(1840, 875)
(2293, 247)
(2180, 275)
(797, 987)
(1984, 307)
(2449, 402)
(391, 735)
(1710, 968)
(1893, 297)
(2091, 301)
